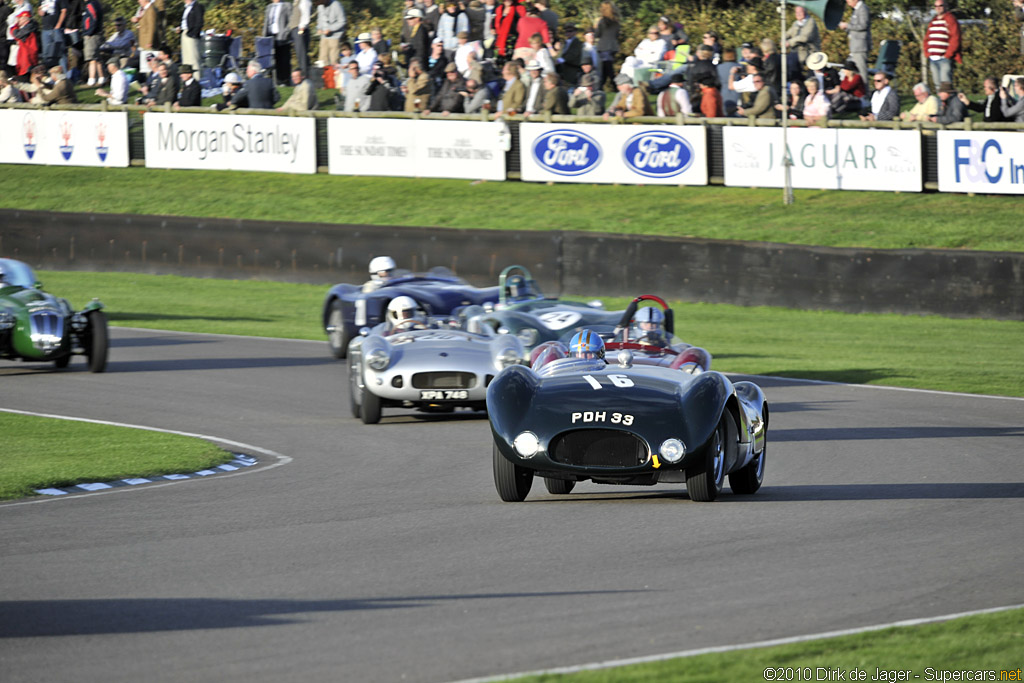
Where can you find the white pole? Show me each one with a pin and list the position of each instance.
(787, 190)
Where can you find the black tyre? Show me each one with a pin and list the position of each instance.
(705, 482)
(512, 481)
(370, 406)
(97, 342)
(62, 362)
(559, 487)
(355, 392)
(747, 479)
(337, 336)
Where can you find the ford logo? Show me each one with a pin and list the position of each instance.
(658, 154)
(566, 152)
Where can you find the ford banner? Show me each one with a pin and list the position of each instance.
(594, 153)
(983, 162)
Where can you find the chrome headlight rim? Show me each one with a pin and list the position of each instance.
(672, 450)
(505, 358)
(526, 444)
(378, 359)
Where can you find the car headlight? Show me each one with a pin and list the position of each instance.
(672, 450)
(506, 357)
(527, 444)
(378, 359)
(528, 336)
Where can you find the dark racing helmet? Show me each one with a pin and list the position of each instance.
(586, 344)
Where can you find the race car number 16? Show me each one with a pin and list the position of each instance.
(616, 380)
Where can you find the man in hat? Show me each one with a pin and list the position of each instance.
(367, 56)
(118, 93)
(467, 54)
(122, 42)
(951, 109)
(885, 102)
(330, 26)
(846, 92)
(587, 99)
(232, 86)
(745, 85)
(926, 108)
(275, 25)
(191, 94)
(191, 30)
(535, 89)
(417, 43)
(858, 30)
(303, 98)
(298, 27)
(675, 100)
(448, 98)
(630, 102)
(570, 59)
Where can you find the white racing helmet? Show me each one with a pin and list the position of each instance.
(381, 267)
(649, 324)
(401, 310)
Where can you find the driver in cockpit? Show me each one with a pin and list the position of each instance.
(649, 327)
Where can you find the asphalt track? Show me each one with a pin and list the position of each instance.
(382, 553)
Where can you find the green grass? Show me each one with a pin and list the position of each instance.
(827, 218)
(991, 642)
(974, 356)
(40, 453)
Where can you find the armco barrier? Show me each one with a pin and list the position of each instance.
(913, 281)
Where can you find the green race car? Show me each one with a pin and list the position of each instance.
(36, 326)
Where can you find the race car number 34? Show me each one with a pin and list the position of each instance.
(443, 394)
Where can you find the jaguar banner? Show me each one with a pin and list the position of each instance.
(63, 138)
(594, 153)
(823, 158)
(419, 148)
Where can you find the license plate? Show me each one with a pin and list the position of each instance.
(443, 394)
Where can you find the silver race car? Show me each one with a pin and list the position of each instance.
(433, 364)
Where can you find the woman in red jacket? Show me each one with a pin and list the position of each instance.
(28, 43)
(506, 18)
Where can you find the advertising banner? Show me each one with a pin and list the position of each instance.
(594, 153)
(824, 158)
(230, 142)
(984, 162)
(418, 148)
(63, 138)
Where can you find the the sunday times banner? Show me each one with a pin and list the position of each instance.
(63, 138)
(984, 162)
(629, 154)
(824, 158)
(419, 148)
(234, 142)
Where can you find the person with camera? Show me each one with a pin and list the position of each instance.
(1013, 108)
(989, 107)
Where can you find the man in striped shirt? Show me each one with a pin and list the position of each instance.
(942, 44)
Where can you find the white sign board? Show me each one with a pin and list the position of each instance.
(63, 138)
(230, 142)
(632, 154)
(824, 158)
(419, 148)
(984, 162)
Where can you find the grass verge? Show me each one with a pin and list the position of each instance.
(818, 217)
(979, 643)
(42, 452)
(973, 356)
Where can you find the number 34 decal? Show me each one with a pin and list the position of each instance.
(616, 380)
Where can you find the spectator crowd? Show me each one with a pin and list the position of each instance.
(494, 58)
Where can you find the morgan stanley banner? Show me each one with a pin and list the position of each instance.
(63, 138)
(984, 162)
(629, 154)
(824, 158)
(230, 142)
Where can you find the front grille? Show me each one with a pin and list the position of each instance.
(599, 448)
(47, 329)
(444, 380)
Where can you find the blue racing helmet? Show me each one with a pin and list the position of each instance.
(586, 344)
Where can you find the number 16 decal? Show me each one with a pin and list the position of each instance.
(617, 380)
